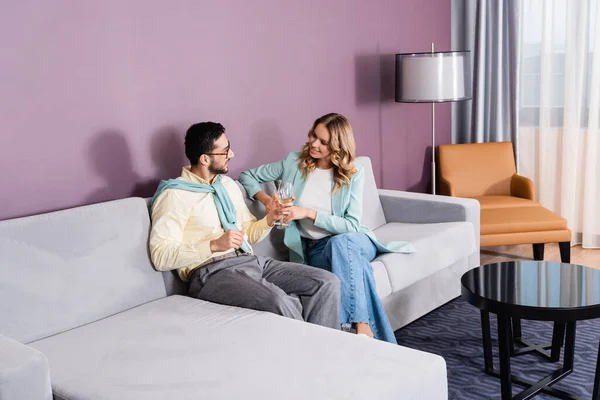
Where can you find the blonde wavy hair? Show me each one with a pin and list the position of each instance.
(341, 146)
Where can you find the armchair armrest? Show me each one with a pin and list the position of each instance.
(24, 372)
(522, 187)
(419, 208)
(446, 187)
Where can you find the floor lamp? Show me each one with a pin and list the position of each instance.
(433, 78)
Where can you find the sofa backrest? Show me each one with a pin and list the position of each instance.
(373, 216)
(68, 268)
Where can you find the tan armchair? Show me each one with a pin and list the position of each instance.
(509, 213)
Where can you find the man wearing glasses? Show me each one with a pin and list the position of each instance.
(202, 227)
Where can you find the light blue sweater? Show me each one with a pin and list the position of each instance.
(346, 205)
(224, 205)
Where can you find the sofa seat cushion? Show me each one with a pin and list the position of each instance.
(520, 219)
(438, 246)
(182, 348)
(486, 202)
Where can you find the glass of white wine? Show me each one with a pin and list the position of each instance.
(285, 192)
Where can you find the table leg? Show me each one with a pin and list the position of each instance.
(596, 393)
(569, 355)
(487, 341)
(504, 341)
(516, 324)
(515, 336)
(558, 337)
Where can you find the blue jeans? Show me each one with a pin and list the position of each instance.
(349, 256)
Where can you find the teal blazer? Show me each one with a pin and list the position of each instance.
(346, 205)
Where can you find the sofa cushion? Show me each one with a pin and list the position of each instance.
(438, 246)
(64, 269)
(182, 348)
(520, 219)
(382, 279)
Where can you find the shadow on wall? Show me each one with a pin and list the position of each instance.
(424, 184)
(374, 78)
(387, 68)
(110, 158)
(367, 79)
(167, 152)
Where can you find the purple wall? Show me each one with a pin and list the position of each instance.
(95, 97)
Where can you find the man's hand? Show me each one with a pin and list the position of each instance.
(229, 240)
(277, 210)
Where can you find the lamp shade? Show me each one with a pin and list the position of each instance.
(433, 77)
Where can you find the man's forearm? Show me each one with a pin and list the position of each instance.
(258, 230)
(169, 255)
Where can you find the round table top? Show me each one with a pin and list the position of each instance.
(538, 290)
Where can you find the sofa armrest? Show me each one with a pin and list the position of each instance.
(24, 372)
(522, 187)
(419, 208)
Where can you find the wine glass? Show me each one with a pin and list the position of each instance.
(285, 192)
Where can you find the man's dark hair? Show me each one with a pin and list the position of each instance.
(200, 139)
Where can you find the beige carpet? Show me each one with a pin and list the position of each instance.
(587, 257)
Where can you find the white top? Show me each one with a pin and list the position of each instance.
(316, 195)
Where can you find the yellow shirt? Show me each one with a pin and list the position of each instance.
(184, 223)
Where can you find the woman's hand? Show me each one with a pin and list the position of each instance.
(276, 210)
(295, 213)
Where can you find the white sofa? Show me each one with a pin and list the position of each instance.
(83, 315)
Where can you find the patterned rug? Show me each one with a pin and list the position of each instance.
(453, 331)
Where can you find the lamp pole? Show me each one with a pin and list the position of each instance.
(432, 139)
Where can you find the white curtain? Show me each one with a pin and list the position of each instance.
(559, 110)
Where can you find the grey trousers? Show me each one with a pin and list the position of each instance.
(261, 283)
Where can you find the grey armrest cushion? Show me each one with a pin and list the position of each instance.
(24, 372)
(419, 208)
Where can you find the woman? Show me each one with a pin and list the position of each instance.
(324, 228)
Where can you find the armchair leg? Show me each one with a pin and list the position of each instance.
(565, 251)
(538, 251)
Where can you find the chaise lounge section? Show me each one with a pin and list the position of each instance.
(85, 316)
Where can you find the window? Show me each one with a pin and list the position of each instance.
(550, 61)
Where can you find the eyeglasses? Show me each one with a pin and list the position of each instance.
(224, 153)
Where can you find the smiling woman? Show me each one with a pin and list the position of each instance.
(330, 144)
(324, 224)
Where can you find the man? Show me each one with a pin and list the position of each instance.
(202, 227)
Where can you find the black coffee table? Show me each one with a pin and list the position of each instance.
(534, 290)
